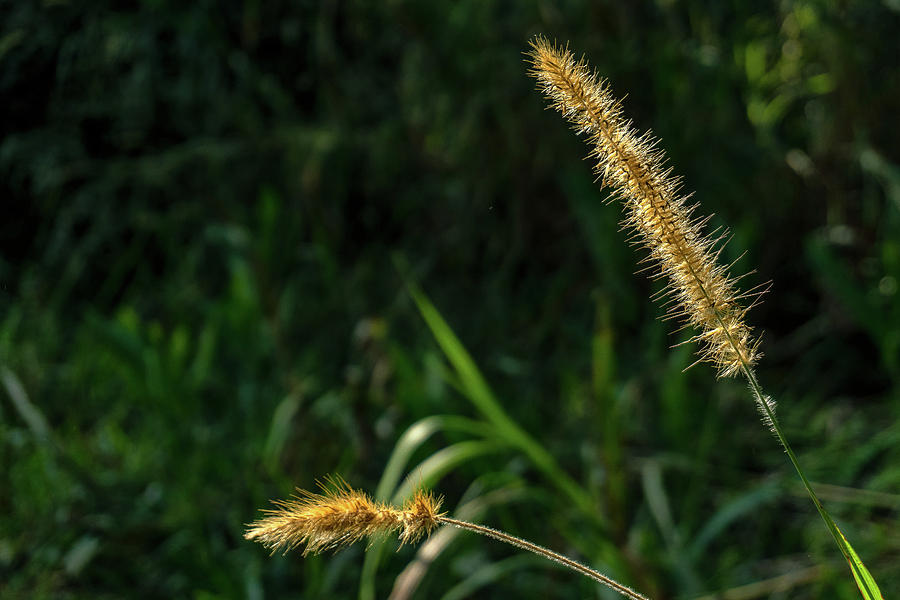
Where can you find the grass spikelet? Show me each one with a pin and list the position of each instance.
(340, 516)
(701, 292)
(766, 407)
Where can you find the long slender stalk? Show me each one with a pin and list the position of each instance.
(545, 553)
(766, 405)
(700, 290)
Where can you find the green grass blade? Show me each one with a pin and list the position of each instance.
(415, 435)
(658, 502)
(476, 389)
(479, 393)
(30, 413)
(718, 523)
(427, 473)
(864, 580)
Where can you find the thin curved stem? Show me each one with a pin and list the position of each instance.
(546, 553)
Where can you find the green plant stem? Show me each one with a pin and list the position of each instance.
(545, 553)
(776, 428)
(861, 575)
(864, 580)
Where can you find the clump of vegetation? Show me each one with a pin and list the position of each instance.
(701, 291)
(204, 215)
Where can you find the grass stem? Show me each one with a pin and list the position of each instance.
(545, 553)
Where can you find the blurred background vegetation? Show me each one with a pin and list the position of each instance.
(214, 218)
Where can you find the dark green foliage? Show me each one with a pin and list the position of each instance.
(204, 207)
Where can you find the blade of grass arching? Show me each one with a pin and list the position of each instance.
(30, 413)
(480, 394)
(279, 430)
(415, 435)
(476, 389)
(428, 472)
(734, 510)
(658, 502)
(603, 367)
(854, 496)
(864, 580)
(426, 475)
(769, 588)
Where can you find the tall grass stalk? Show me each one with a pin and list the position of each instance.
(700, 291)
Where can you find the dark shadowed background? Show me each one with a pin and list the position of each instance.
(210, 215)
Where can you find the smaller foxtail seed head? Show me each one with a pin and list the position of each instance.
(338, 517)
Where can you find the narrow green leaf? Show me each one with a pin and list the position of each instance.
(414, 436)
(476, 389)
(427, 473)
(864, 580)
(734, 510)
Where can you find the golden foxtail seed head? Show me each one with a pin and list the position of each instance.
(340, 516)
(700, 291)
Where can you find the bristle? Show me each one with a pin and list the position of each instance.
(636, 169)
(767, 411)
(340, 516)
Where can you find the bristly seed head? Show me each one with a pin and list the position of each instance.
(340, 516)
(700, 290)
